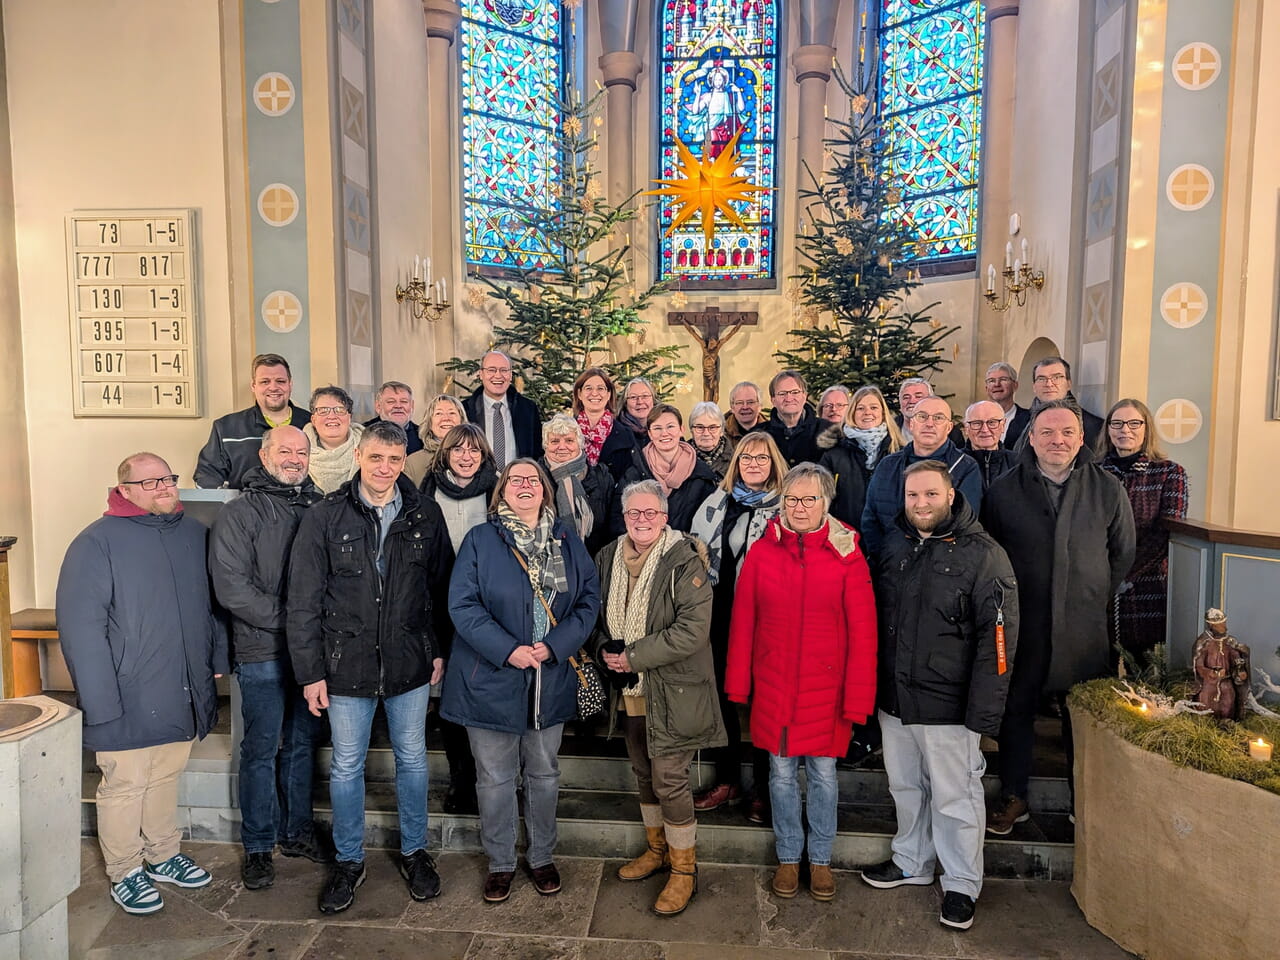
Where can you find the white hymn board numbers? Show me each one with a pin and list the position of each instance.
(133, 313)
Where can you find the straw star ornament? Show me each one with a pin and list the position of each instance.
(707, 187)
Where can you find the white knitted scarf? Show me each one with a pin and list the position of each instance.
(628, 617)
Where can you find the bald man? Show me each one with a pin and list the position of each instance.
(984, 422)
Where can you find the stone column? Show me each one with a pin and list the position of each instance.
(812, 65)
(621, 68)
(441, 18)
(997, 179)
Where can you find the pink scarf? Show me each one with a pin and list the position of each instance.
(597, 435)
(671, 475)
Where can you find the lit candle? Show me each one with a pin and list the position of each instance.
(991, 277)
(1142, 708)
(1260, 750)
(1026, 254)
(416, 262)
(1008, 253)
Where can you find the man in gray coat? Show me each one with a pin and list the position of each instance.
(143, 649)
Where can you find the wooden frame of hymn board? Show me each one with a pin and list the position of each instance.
(134, 312)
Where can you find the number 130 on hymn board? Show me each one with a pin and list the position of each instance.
(134, 323)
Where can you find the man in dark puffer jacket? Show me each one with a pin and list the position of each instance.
(948, 607)
(249, 565)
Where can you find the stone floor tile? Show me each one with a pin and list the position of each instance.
(89, 910)
(206, 948)
(345, 942)
(723, 911)
(222, 860)
(278, 941)
(460, 907)
(715, 951)
(1032, 920)
(296, 891)
(493, 946)
(901, 921)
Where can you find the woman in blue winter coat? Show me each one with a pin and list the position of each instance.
(524, 597)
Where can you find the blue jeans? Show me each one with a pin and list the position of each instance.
(350, 719)
(276, 756)
(784, 794)
(500, 757)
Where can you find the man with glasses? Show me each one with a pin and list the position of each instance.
(143, 650)
(509, 420)
(1002, 387)
(366, 610)
(1051, 381)
(793, 425)
(930, 431)
(834, 403)
(983, 422)
(744, 411)
(393, 403)
(232, 449)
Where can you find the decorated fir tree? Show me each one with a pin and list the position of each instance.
(564, 311)
(854, 327)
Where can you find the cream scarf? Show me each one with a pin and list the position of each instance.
(334, 466)
(628, 616)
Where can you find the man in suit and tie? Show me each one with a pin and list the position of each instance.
(510, 422)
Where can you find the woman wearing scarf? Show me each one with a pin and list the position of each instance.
(461, 482)
(333, 438)
(604, 439)
(686, 481)
(655, 613)
(802, 651)
(582, 490)
(443, 414)
(855, 447)
(729, 522)
(524, 597)
(637, 401)
(706, 429)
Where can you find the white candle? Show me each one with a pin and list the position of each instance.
(1008, 253)
(1026, 254)
(427, 264)
(444, 290)
(1260, 750)
(1017, 266)
(991, 276)
(416, 263)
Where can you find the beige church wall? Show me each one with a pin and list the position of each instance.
(1044, 171)
(403, 206)
(15, 471)
(110, 105)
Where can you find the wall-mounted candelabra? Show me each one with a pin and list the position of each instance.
(1017, 276)
(426, 299)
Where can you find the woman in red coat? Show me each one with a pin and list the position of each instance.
(802, 647)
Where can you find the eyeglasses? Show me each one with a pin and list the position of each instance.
(745, 403)
(935, 417)
(789, 393)
(524, 481)
(708, 428)
(979, 424)
(805, 502)
(750, 458)
(152, 482)
(836, 405)
(326, 411)
(996, 381)
(1044, 379)
(495, 369)
(646, 514)
(1131, 424)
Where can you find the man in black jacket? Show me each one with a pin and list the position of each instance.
(232, 448)
(393, 403)
(792, 424)
(1068, 529)
(983, 422)
(948, 616)
(367, 607)
(511, 422)
(1051, 381)
(249, 565)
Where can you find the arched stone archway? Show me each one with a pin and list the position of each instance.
(1040, 348)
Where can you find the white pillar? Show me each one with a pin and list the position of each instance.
(441, 18)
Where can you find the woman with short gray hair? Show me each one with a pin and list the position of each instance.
(582, 491)
(706, 427)
(333, 438)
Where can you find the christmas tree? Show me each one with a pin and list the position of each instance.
(563, 313)
(854, 327)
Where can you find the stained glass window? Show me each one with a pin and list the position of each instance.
(512, 74)
(931, 64)
(719, 77)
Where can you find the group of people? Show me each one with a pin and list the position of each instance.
(860, 580)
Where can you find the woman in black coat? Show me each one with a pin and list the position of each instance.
(674, 463)
(854, 448)
(583, 491)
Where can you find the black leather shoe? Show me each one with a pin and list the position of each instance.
(340, 890)
(257, 872)
(497, 886)
(420, 871)
(546, 879)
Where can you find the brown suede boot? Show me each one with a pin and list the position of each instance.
(683, 882)
(653, 859)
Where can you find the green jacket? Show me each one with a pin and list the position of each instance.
(682, 709)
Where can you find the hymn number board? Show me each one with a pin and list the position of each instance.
(133, 313)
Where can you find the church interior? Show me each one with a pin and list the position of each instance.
(286, 170)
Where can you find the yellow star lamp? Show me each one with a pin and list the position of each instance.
(707, 186)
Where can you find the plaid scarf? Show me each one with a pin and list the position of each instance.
(541, 550)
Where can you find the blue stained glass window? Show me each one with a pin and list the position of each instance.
(512, 74)
(930, 80)
(719, 76)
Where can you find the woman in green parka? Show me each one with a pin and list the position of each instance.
(654, 634)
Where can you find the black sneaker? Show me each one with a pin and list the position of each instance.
(888, 875)
(420, 871)
(957, 910)
(311, 845)
(340, 890)
(257, 872)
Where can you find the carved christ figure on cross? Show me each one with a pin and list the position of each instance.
(712, 330)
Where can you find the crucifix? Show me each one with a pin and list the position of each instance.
(712, 329)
